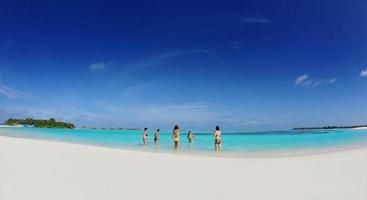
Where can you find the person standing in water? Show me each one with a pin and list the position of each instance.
(156, 136)
(176, 136)
(190, 136)
(145, 136)
(217, 138)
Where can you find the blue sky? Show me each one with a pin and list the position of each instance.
(245, 65)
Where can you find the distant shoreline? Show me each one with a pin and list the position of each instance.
(103, 128)
(332, 127)
(87, 128)
(360, 128)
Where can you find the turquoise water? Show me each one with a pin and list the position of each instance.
(232, 142)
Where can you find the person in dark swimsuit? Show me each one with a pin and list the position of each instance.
(156, 136)
(190, 137)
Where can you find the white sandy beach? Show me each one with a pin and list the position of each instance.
(32, 169)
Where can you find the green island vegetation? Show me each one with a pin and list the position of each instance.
(39, 123)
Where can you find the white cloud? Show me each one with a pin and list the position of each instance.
(96, 67)
(301, 79)
(10, 92)
(364, 73)
(59, 112)
(306, 81)
(205, 51)
(136, 90)
(159, 60)
(190, 114)
(259, 20)
(162, 112)
(235, 45)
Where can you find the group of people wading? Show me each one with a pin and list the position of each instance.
(190, 137)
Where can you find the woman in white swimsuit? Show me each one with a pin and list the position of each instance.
(217, 138)
(145, 136)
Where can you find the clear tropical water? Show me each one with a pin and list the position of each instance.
(232, 142)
